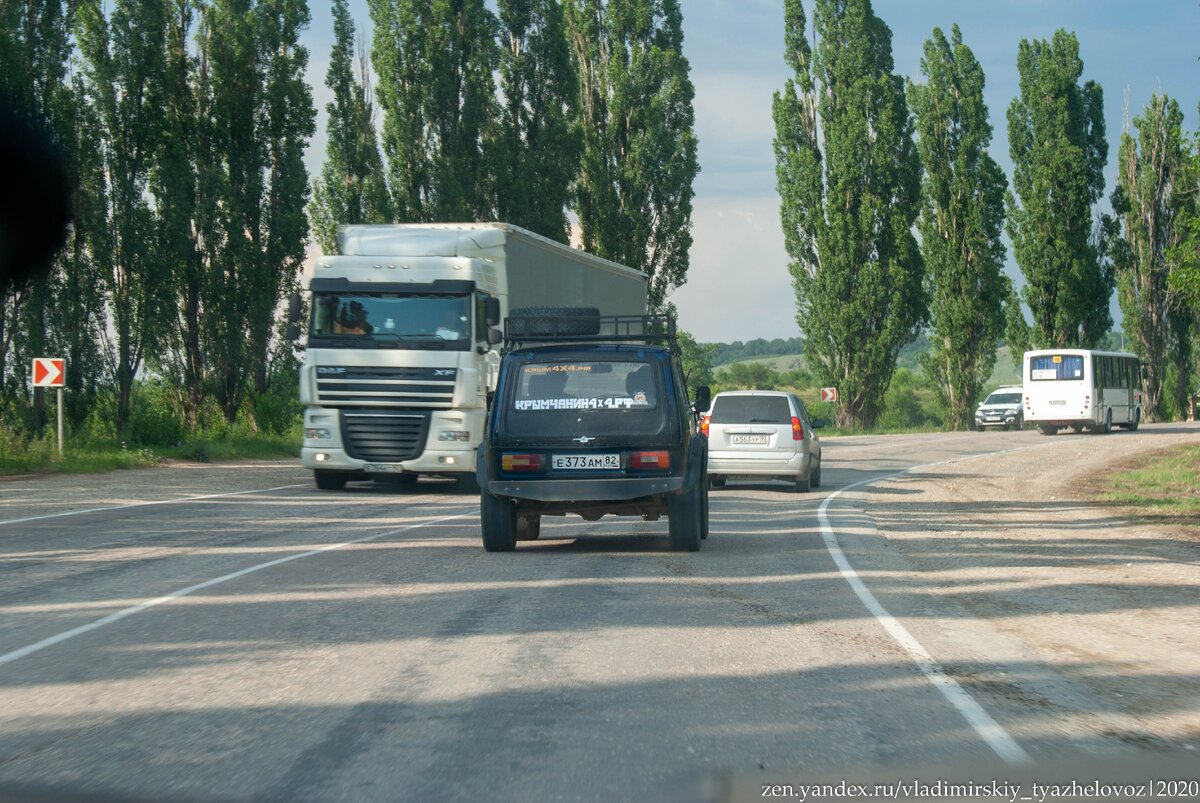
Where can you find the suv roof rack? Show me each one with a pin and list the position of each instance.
(522, 329)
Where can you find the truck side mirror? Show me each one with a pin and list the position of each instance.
(292, 332)
(294, 304)
(494, 336)
(492, 313)
(703, 399)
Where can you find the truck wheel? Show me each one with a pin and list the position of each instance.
(498, 520)
(329, 480)
(529, 528)
(684, 512)
(716, 482)
(553, 321)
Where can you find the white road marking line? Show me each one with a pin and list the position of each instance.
(17, 654)
(146, 504)
(988, 729)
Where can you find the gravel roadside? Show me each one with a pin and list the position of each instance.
(1022, 542)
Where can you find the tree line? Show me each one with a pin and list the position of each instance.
(866, 162)
(183, 125)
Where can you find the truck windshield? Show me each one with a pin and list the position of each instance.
(391, 319)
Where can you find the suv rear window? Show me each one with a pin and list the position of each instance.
(585, 385)
(751, 410)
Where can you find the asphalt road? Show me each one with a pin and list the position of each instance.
(229, 632)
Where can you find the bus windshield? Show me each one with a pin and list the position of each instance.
(1056, 366)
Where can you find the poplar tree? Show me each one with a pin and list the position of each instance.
(634, 192)
(849, 178)
(1058, 147)
(125, 66)
(261, 116)
(962, 217)
(538, 142)
(34, 48)
(435, 60)
(352, 187)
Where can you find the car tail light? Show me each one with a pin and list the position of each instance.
(651, 460)
(797, 429)
(521, 462)
(704, 425)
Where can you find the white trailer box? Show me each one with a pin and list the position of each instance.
(401, 355)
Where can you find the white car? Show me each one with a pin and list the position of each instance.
(1002, 408)
(761, 434)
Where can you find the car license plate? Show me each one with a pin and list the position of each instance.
(749, 440)
(382, 468)
(1058, 401)
(993, 418)
(586, 461)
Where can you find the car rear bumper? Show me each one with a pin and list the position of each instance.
(730, 464)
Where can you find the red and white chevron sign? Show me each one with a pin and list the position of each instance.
(49, 372)
(828, 394)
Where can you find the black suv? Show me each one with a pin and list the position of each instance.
(598, 424)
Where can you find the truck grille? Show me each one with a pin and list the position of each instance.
(385, 387)
(382, 437)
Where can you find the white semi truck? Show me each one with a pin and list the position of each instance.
(401, 354)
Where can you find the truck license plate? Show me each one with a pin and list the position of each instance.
(382, 468)
(749, 440)
(586, 461)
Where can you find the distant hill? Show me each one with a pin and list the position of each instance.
(737, 351)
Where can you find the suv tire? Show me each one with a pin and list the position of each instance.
(329, 480)
(804, 483)
(685, 512)
(814, 479)
(498, 520)
(570, 321)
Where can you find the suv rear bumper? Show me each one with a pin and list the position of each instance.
(584, 490)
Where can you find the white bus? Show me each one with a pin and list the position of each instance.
(1082, 389)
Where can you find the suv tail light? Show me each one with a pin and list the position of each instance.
(651, 460)
(704, 422)
(521, 462)
(797, 429)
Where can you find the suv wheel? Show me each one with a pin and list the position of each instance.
(716, 482)
(329, 480)
(814, 479)
(498, 520)
(685, 512)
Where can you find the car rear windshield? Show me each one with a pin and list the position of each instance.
(1056, 366)
(600, 385)
(751, 410)
(1004, 398)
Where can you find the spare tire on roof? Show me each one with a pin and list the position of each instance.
(553, 321)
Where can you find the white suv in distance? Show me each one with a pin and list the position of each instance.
(760, 434)
(1002, 408)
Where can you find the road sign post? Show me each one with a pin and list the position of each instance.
(50, 372)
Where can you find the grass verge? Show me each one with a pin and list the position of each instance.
(1159, 485)
(42, 457)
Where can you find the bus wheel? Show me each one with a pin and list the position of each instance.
(1107, 428)
(1046, 429)
(1137, 419)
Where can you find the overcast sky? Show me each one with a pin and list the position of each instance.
(738, 285)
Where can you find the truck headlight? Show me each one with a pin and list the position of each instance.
(317, 433)
(454, 436)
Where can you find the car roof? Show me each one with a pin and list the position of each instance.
(1008, 389)
(753, 393)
